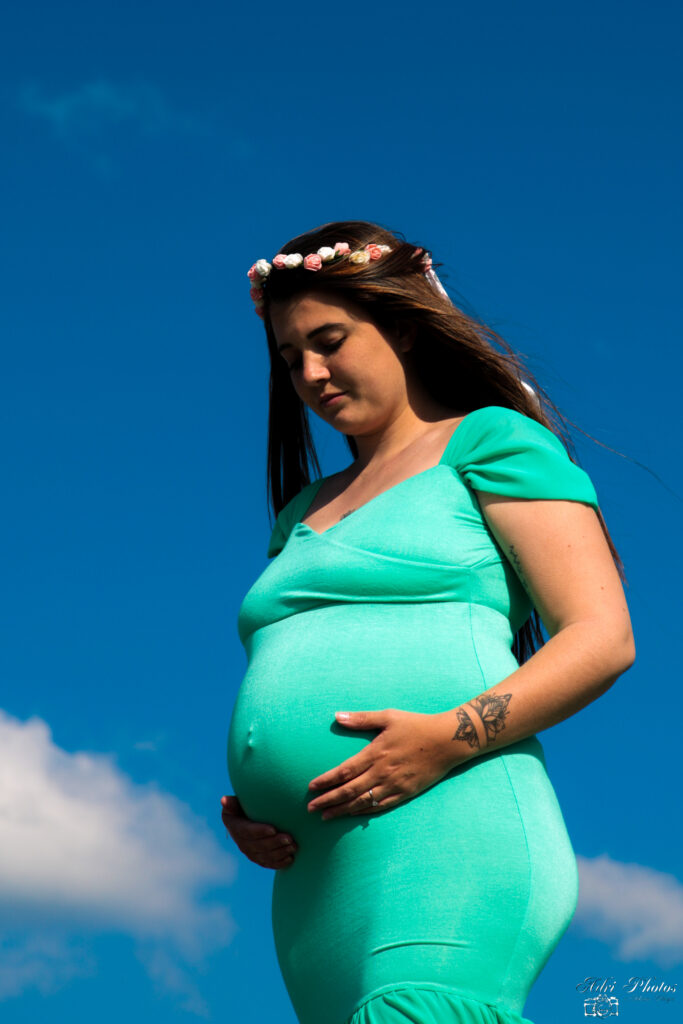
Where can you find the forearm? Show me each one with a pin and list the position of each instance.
(571, 670)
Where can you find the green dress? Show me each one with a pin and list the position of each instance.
(446, 907)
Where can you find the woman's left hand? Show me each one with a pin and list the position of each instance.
(411, 753)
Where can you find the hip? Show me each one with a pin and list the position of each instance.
(470, 884)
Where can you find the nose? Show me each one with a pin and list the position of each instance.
(313, 369)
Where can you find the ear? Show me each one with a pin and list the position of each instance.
(406, 338)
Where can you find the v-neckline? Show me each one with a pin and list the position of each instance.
(316, 485)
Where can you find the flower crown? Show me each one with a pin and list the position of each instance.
(260, 270)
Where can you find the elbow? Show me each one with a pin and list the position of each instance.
(618, 641)
(621, 655)
(629, 652)
(614, 650)
(627, 646)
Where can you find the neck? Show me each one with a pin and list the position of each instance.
(413, 421)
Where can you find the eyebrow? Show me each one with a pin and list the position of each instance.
(311, 334)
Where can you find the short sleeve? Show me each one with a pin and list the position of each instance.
(289, 516)
(504, 452)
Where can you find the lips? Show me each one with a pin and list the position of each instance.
(325, 400)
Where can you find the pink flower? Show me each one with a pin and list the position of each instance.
(253, 273)
(373, 251)
(259, 310)
(342, 248)
(279, 261)
(313, 262)
(256, 294)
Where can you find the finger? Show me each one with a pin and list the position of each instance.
(360, 804)
(243, 827)
(364, 805)
(345, 794)
(252, 840)
(278, 857)
(276, 845)
(231, 807)
(271, 860)
(250, 829)
(363, 719)
(255, 832)
(277, 867)
(385, 804)
(343, 773)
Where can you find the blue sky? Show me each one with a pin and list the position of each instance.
(151, 154)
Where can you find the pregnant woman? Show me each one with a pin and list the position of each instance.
(382, 747)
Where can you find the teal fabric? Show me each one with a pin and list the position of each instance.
(434, 1004)
(448, 906)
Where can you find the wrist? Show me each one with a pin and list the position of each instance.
(455, 748)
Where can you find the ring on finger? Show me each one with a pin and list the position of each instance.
(375, 803)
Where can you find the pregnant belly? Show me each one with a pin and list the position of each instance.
(425, 658)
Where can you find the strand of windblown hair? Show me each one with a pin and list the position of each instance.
(433, 279)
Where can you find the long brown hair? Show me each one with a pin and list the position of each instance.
(463, 363)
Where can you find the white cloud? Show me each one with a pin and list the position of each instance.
(102, 104)
(147, 746)
(83, 845)
(41, 962)
(96, 119)
(169, 976)
(636, 909)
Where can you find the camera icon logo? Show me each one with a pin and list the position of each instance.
(601, 1006)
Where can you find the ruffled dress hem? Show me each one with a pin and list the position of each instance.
(429, 1004)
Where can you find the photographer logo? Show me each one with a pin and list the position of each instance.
(601, 1006)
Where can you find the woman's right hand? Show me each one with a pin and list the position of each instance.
(261, 843)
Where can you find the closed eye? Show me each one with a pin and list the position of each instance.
(327, 347)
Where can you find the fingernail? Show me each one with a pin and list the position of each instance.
(343, 716)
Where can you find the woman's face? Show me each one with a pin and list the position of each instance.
(341, 365)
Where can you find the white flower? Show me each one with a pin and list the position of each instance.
(263, 267)
(294, 259)
(326, 253)
(385, 249)
(359, 256)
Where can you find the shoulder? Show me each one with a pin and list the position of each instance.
(497, 424)
(502, 451)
